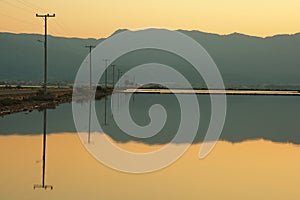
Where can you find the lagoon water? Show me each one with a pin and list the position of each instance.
(257, 156)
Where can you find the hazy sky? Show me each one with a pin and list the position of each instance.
(100, 18)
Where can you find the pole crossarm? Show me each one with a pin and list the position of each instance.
(46, 15)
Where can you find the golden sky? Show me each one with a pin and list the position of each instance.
(100, 18)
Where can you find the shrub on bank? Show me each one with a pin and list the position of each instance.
(9, 102)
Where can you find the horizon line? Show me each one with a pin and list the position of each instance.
(180, 30)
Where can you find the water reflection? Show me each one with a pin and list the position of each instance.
(247, 170)
(256, 169)
(248, 118)
(43, 185)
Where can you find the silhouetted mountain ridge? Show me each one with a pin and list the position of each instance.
(243, 60)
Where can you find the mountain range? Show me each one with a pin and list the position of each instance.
(244, 61)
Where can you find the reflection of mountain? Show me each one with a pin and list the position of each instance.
(244, 61)
(248, 118)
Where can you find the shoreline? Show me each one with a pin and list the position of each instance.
(26, 101)
(14, 101)
(213, 92)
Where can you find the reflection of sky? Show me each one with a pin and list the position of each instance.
(249, 170)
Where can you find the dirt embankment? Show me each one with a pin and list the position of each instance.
(26, 101)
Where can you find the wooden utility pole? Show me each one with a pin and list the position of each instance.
(43, 185)
(45, 49)
(90, 48)
(90, 92)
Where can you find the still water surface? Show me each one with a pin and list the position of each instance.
(258, 157)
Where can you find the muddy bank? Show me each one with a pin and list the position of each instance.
(13, 102)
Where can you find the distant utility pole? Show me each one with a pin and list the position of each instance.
(90, 47)
(113, 75)
(119, 75)
(45, 48)
(90, 92)
(106, 64)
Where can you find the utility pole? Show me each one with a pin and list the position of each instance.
(106, 64)
(118, 87)
(90, 91)
(45, 49)
(43, 185)
(113, 76)
(90, 48)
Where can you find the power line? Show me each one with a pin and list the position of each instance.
(22, 7)
(30, 5)
(54, 30)
(63, 26)
(19, 20)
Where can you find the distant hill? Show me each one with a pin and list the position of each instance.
(244, 61)
(22, 56)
